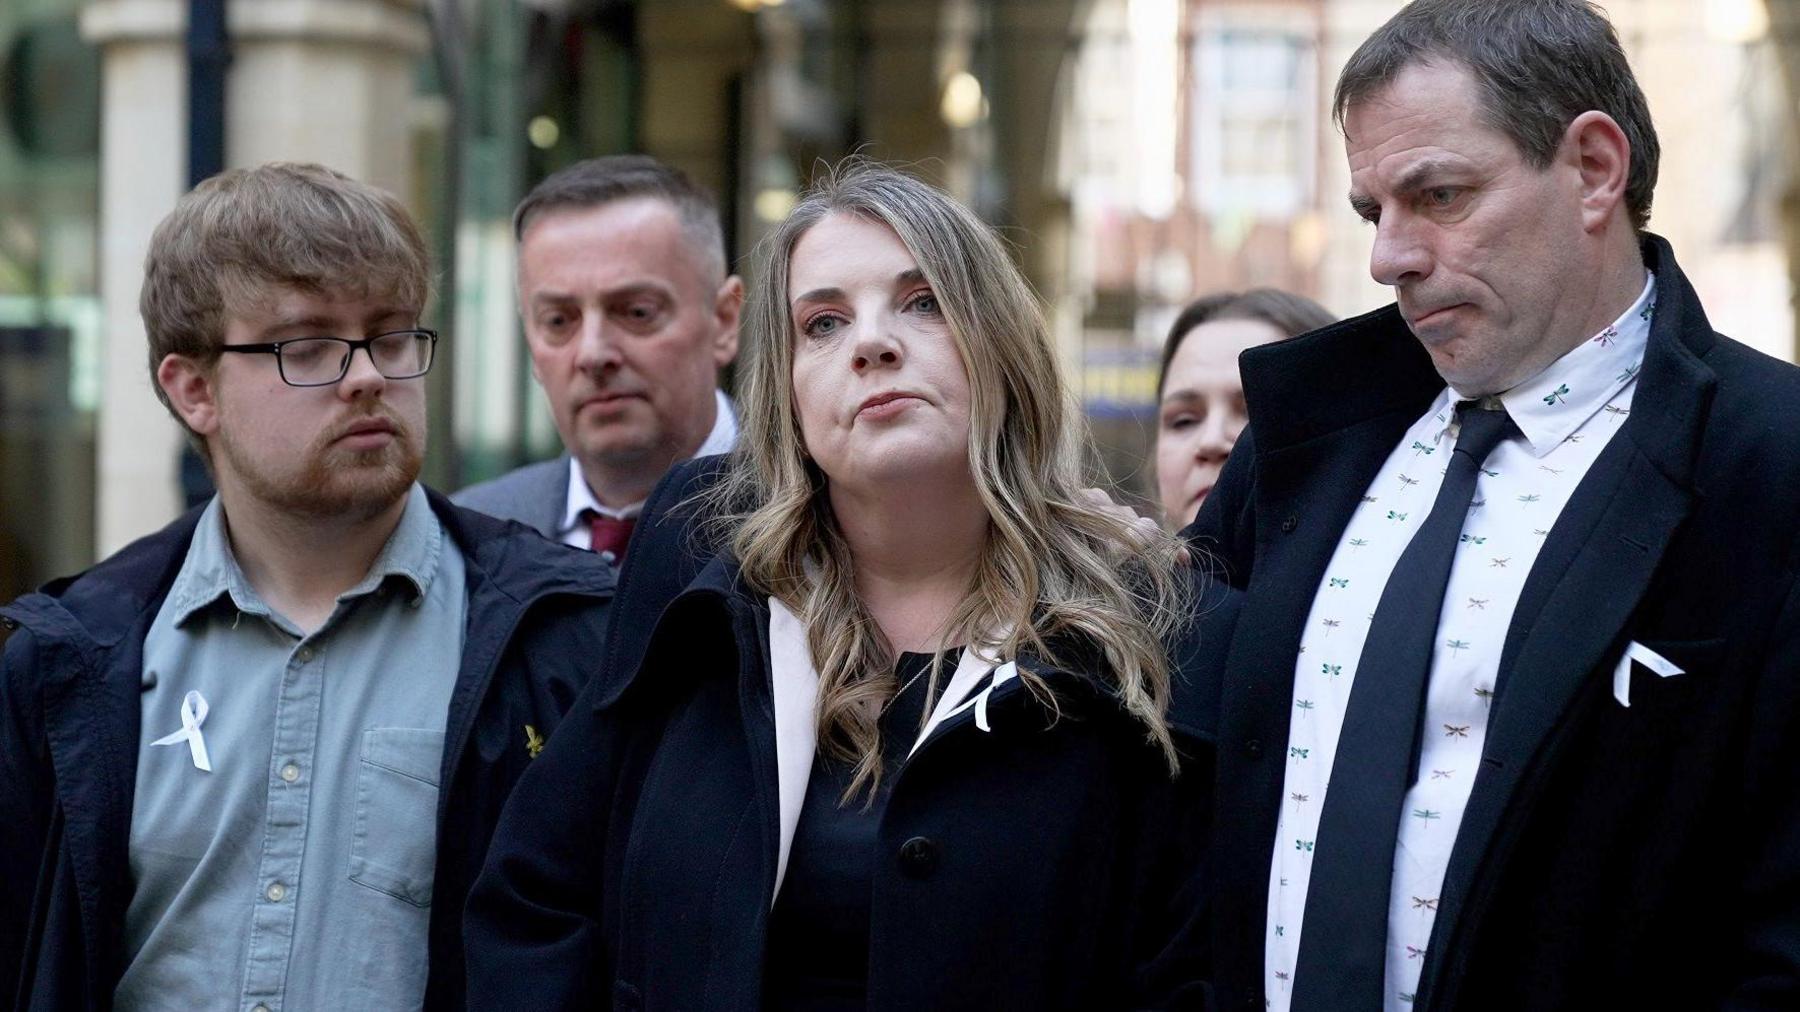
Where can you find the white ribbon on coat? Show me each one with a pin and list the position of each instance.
(193, 714)
(1648, 658)
(795, 690)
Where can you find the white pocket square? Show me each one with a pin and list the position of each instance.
(1648, 658)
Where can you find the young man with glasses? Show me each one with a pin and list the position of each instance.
(252, 761)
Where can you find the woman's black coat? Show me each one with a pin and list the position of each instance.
(1045, 864)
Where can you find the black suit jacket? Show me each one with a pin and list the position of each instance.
(1610, 857)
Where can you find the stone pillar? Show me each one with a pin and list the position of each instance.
(689, 55)
(143, 131)
(326, 81)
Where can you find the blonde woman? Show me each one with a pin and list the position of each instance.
(904, 743)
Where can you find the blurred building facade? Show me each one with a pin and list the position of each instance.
(1244, 180)
(1136, 152)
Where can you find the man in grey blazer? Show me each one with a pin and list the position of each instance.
(630, 312)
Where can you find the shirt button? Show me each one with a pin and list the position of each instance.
(1288, 523)
(276, 892)
(259, 1008)
(305, 654)
(1253, 747)
(290, 773)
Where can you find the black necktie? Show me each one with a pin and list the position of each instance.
(1343, 939)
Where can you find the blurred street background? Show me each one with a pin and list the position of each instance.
(1137, 152)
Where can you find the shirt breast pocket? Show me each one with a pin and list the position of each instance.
(394, 846)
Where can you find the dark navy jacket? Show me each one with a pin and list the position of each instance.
(1610, 857)
(1040, 865)
(69, 731)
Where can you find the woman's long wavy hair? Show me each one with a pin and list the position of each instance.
(1057, 575)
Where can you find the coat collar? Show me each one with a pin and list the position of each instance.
(100, 605)
(1336, 378)
(794, 687)
(780, 709)
(670, 547)
(519, 568)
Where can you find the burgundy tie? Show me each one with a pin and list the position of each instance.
(610, 534)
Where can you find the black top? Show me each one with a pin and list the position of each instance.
(818, 938)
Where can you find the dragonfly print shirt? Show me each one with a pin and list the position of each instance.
(1565, 415)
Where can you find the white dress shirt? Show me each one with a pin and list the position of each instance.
(1565, 415)
(575, 529)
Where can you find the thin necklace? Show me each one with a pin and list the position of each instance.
(901, 691)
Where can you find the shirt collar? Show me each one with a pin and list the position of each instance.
(1550, 406)
(211, 570)
(581, 498)
(411, 553)
(724, 431)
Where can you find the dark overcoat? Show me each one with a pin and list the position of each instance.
(1049, 863)
(1610, 857)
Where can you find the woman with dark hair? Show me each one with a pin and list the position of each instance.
(906, 743)
(1200, 408)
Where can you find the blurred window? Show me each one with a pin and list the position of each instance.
(1253, 120)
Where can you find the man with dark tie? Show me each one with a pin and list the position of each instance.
(1506, 718)
(630, 311)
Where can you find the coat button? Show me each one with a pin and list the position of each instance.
(1288, 523)
(1253, 747)
(918, 857)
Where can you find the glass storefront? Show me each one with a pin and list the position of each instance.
(50, 319)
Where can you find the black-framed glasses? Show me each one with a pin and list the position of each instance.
(322, 361)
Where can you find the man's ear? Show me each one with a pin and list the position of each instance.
(192, 392)
(1601, 154)
(728, 312)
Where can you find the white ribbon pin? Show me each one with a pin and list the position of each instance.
(193, 714)
(1648, 658)
(1006, 672)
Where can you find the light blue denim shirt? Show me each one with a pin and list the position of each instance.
(297, 873)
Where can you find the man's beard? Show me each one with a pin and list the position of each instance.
(333, 482)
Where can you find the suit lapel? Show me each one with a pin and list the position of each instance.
(1613, 535)
(1574, 612)
(555, 500)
